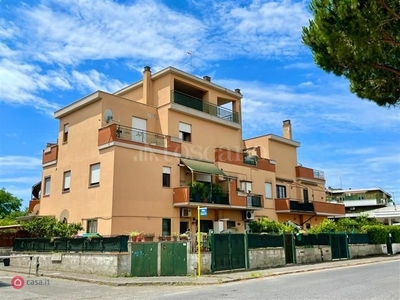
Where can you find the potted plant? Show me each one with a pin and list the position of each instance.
(175, 236)
(184, 237)
(196, 191)
(217, 191)
(149, 237)
(205, 197)
(134, 236)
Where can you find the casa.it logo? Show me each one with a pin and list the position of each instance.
(17, 282)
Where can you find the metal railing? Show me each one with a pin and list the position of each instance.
(200, 105)
(141, 136)
(299, 206)
(254, 201)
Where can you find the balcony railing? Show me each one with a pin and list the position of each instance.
(299, 206)
(254, 201)
(140, 136)
(200, 105)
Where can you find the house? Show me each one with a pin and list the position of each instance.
(363, 201)
(146, 157)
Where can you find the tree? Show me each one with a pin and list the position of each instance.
(8, 203)
(359, 39)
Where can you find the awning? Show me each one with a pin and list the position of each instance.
(202, 167)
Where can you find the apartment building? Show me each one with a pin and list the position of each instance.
(359, 201)
(146, 157)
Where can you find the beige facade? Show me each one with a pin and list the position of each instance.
(124, 162)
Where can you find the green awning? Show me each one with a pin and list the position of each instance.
(202, 167)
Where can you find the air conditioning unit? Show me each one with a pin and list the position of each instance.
(186, 213)
(249, 215)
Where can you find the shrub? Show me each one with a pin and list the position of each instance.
(48, 227)
(269, 226)
(395, 232)
(378, 234)
(325, 226)
(348, 225)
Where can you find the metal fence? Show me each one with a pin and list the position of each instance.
(358, 238)
(104, 244)
(312, 239)
(264, 240)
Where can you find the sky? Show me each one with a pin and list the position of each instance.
(54, 52)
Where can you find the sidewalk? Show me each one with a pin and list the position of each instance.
(216, 278)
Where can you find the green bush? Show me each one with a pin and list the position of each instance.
(348, 225)
(378, 234)
(325, 226)
(48, 227)
(269, 226)
(395, 232)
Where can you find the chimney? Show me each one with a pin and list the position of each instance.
(208, 78)
(287, 129)
(147, 86)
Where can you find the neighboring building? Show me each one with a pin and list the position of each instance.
(125, 161)
(359, 200)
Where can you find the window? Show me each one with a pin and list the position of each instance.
(268, 190)
(65, 136)
(185, 131)
(280, 191)
(67, 181)
(95, 174)
(166, 177)
(305, 195)
(166, 227)
(91, 226)
(230, 224)
(47, 181)
(246, 186)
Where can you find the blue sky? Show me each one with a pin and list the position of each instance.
(55, 52)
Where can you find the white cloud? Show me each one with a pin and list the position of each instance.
(306, 84)
(19, 162)
(92, 80)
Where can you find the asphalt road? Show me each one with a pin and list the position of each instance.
(374, 281)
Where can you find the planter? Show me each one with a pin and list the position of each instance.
(167, 237)
(149, 238)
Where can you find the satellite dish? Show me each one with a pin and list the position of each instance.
(64, 216)
(35, 210)
(108, 115)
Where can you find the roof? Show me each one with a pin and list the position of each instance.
(276, 138)
(358, 191)
(182, 74)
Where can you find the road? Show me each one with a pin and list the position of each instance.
(374, 281)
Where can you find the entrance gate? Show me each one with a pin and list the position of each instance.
(228, 251)
(339, 245)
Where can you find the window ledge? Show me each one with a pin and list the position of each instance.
(94, 185)
(65, 191)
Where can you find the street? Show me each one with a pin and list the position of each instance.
(373, 281)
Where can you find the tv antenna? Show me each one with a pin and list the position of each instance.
(190, 53)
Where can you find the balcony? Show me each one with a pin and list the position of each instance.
(316, 207)
(127, 135)
(50, 155)
(183, 197)
(208, 108)
(307, 173)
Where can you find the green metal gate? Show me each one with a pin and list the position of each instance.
(339, 245)
(228, 251)
(144, 259)
(290, 256)
(173, 259)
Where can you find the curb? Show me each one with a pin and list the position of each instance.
(212, 280)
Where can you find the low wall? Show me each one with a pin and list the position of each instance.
(361, 250)
(205, 261)
(311, 255)
(5, 251)
(396, 248)
(266, 258)
(108, 264)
